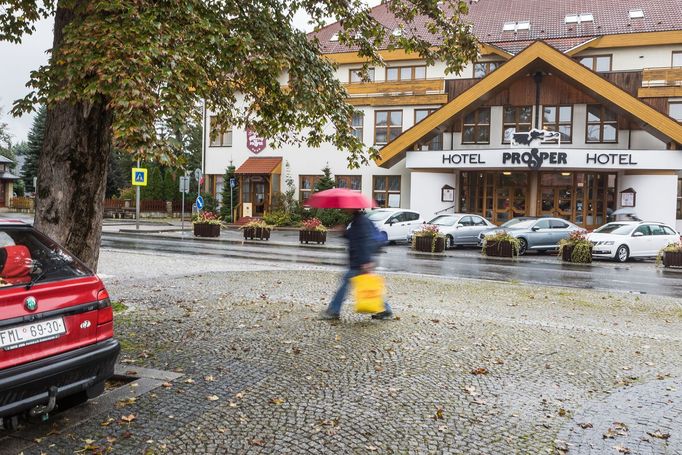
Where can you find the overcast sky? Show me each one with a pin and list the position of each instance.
(18, 60)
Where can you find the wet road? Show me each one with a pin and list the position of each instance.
(636, 277)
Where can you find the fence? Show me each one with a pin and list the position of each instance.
(22, 204)
(146, 206)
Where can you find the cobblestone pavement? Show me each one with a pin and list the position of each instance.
(469, 367)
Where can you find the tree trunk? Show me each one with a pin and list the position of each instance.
(72, 169)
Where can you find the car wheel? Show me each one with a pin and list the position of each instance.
(450, 242)
(523, 246)
(622, 253)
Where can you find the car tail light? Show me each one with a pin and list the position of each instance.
(105, 313)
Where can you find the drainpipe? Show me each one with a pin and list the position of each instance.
(537, 77)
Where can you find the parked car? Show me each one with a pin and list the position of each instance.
(460, 229)
(538, 234)
(621, 240)
(56, 326)
(394, 224)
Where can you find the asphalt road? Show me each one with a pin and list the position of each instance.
(636, 276)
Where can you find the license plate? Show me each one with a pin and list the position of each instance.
(37, 332)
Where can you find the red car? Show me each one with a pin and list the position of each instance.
(56, 326)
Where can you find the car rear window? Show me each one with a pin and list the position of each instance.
(615, 228)
(27, 256)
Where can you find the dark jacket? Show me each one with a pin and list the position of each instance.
(361, 242)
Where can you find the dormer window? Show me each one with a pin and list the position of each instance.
(516, 26)
(335, 37)
(579, 18)
(636, 13)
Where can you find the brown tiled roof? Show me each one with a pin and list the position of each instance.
(259, 165)
(546, 21)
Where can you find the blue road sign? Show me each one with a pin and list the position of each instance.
(200, 202)
(233, 182)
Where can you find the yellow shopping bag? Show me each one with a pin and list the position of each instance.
(369, 292)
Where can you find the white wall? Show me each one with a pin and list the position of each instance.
(655, 199)
(637, 58)
(426, 194)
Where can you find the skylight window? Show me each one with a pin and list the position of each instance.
(516, 26)
(636, 13)
(578, 18)
(398, 32)
(335, 37)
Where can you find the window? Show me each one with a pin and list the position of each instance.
(578, 18)
(482, 69)
(542, 224)
(559, 118)
(657, 229)
(679, 199)
(643, 229)
(351, 182)
(437, 142)
(515, 119)
(355, 75)
(306, 186)
(677, 59)
(220, 137)
(386, 190)
(357, 123)
(405, 73)
(597, 62)
(476, 127)
(478, 221)
(636, 13)
(515, 26)
(387, 126)
(669, 231)
(675, 110)
(555, 224)
(602, 124)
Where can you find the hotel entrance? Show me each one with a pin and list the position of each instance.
(585, 198)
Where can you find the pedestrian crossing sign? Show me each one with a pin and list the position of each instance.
(139, 176)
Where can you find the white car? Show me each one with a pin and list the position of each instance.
(459, 229)
(621, 240)
(394, 224)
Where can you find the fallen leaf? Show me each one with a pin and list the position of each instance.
(107, 422)
(277, 400)
(478, 371)
(257, 442)
(622, 449)
(213, 398)
(440, 414)
(371, 448)
(209, 378)
(129, 418)
(658, 434)
(189, 381)
(585, 425)
(562, 412)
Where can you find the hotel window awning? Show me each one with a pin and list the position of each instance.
(261, 165)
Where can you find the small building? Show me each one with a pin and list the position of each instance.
(7, 180)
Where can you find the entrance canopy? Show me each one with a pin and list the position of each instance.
(261, 165)
(538, 57)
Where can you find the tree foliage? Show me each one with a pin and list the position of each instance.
(326, 182)
(36, 136)
(152, 62)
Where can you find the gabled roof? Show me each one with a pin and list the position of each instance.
(539, 53)
(260, 165)
(547, 21)
(5, 160)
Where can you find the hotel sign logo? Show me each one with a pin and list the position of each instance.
(254, 142)
(533, 139)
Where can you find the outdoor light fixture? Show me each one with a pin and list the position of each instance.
(506, 173)
(565, 173)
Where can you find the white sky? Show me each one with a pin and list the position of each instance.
(18, 60)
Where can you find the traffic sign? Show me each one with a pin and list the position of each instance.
(198, 174)
(184, 184)
(200, 202)
(139, 176)
(233, 182)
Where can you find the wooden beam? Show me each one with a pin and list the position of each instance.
(659, 92)
(415, 86)
(349, 58)
(399, 100)
(631, 40)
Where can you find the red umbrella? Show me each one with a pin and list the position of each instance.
(339, 198)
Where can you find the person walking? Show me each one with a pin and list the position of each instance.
(362, 245)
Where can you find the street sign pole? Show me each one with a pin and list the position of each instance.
(137, 204)
(182, 213)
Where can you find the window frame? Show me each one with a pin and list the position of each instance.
(413, 70)
(309, 191)
(438, 138)
(672, 59)
(487, 70)
(517, 111)
(387, 192)
(678, 209)
(358, 131)
(476, 125)
(676, 103)
(558, 123)
(601, 124)
(348, 178)
(388, 126)
(213, 125)
(370, 71)
(594, 62)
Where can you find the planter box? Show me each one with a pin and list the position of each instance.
(318, 237)
(206, 230)
(257, 233)
(499, 249)
(567, 253)
(672, 259)
(424, 244)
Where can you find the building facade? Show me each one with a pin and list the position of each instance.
(7, 180)
(573, 112)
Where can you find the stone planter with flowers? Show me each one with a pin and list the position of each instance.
(576, 248)
(206, 224)
(312, 231)
(256, 230)
(670, 256)
(428, 239)
(501, 245)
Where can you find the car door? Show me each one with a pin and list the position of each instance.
(640, 241)
(540, 235)
(560, 230)
(478, 225)
(411, 222)
(659, 237)
(396, 226)
(463, 230)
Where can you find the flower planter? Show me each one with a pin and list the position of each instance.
(672, 259)
(499, 249)
(257, 233)
(424, 244)
(206, 230)
(567, 255)
(319, 237)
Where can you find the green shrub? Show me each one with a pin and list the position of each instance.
(332, 217)
(278, 218)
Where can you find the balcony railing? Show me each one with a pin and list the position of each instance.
(662, 77)
(409, 87)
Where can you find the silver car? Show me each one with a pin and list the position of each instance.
(459, 229)
(537, 234)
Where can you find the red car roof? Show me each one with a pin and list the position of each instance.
(11, 221)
